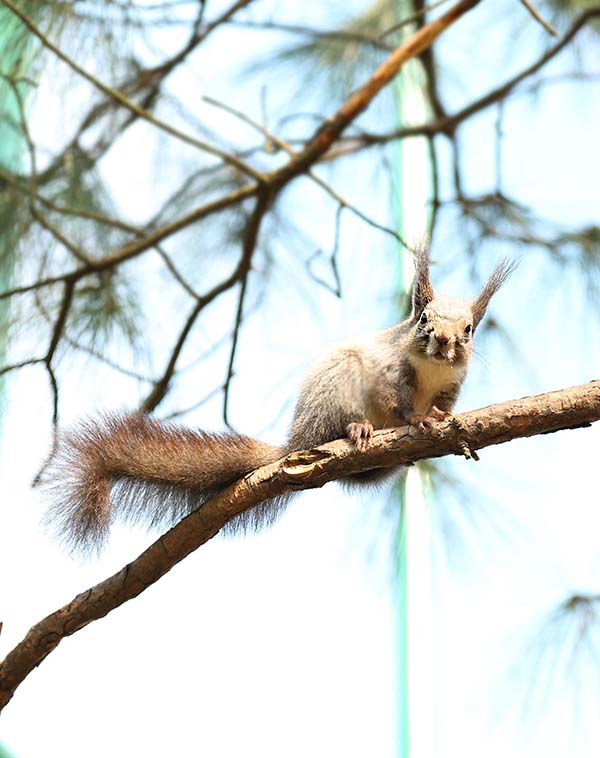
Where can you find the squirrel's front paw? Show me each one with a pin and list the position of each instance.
(360, 433)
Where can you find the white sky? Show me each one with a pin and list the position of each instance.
(285, 643)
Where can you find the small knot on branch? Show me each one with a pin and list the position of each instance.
(466, 451)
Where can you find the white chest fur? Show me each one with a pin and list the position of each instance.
(432, 378)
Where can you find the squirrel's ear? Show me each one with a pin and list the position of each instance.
(500, 274)
(422, 289)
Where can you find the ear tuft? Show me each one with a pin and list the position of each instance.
(499, 275)
(422, 289)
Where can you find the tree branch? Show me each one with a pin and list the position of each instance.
(125, 102)
(463, 435)
(299, 163)
(268, 186)
(449, 124)
(319, 34)
(250, 241)
(361, 98)
(137, 247)
(539, 18)
(240, 274)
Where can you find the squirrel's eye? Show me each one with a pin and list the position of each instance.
(468, 328)
(423, 319)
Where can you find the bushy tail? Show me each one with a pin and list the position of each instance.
(141, 470)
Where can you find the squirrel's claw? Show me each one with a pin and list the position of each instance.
(360, 433)
(424, 423)
(439, 415)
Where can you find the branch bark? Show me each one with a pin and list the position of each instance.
(463, 435)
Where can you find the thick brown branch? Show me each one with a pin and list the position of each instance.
(468, 432)
(359, 100)
(298, 163)
(449, 124)
(137, 247)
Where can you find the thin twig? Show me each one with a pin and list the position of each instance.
(124, 101)
(283, 145)
(412, 18)
(161, 386)
(135, 248)
(56, 233)
(74, 249)
(108, 361)
(317, 34)
(65, 305)
(20, 364)
(48, 358)
(195, 406)
(248, 248)
(206, 354)
(539, 18)
(54, 389)
(39, 284)
(435, 185)
(337, 288)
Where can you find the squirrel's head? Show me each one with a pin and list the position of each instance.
(443, 327)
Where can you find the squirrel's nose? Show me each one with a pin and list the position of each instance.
(443, 339)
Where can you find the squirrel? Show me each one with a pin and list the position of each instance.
(141, 469)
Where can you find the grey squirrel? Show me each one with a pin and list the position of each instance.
(141, 469)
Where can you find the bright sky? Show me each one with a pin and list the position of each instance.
(284, 644)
